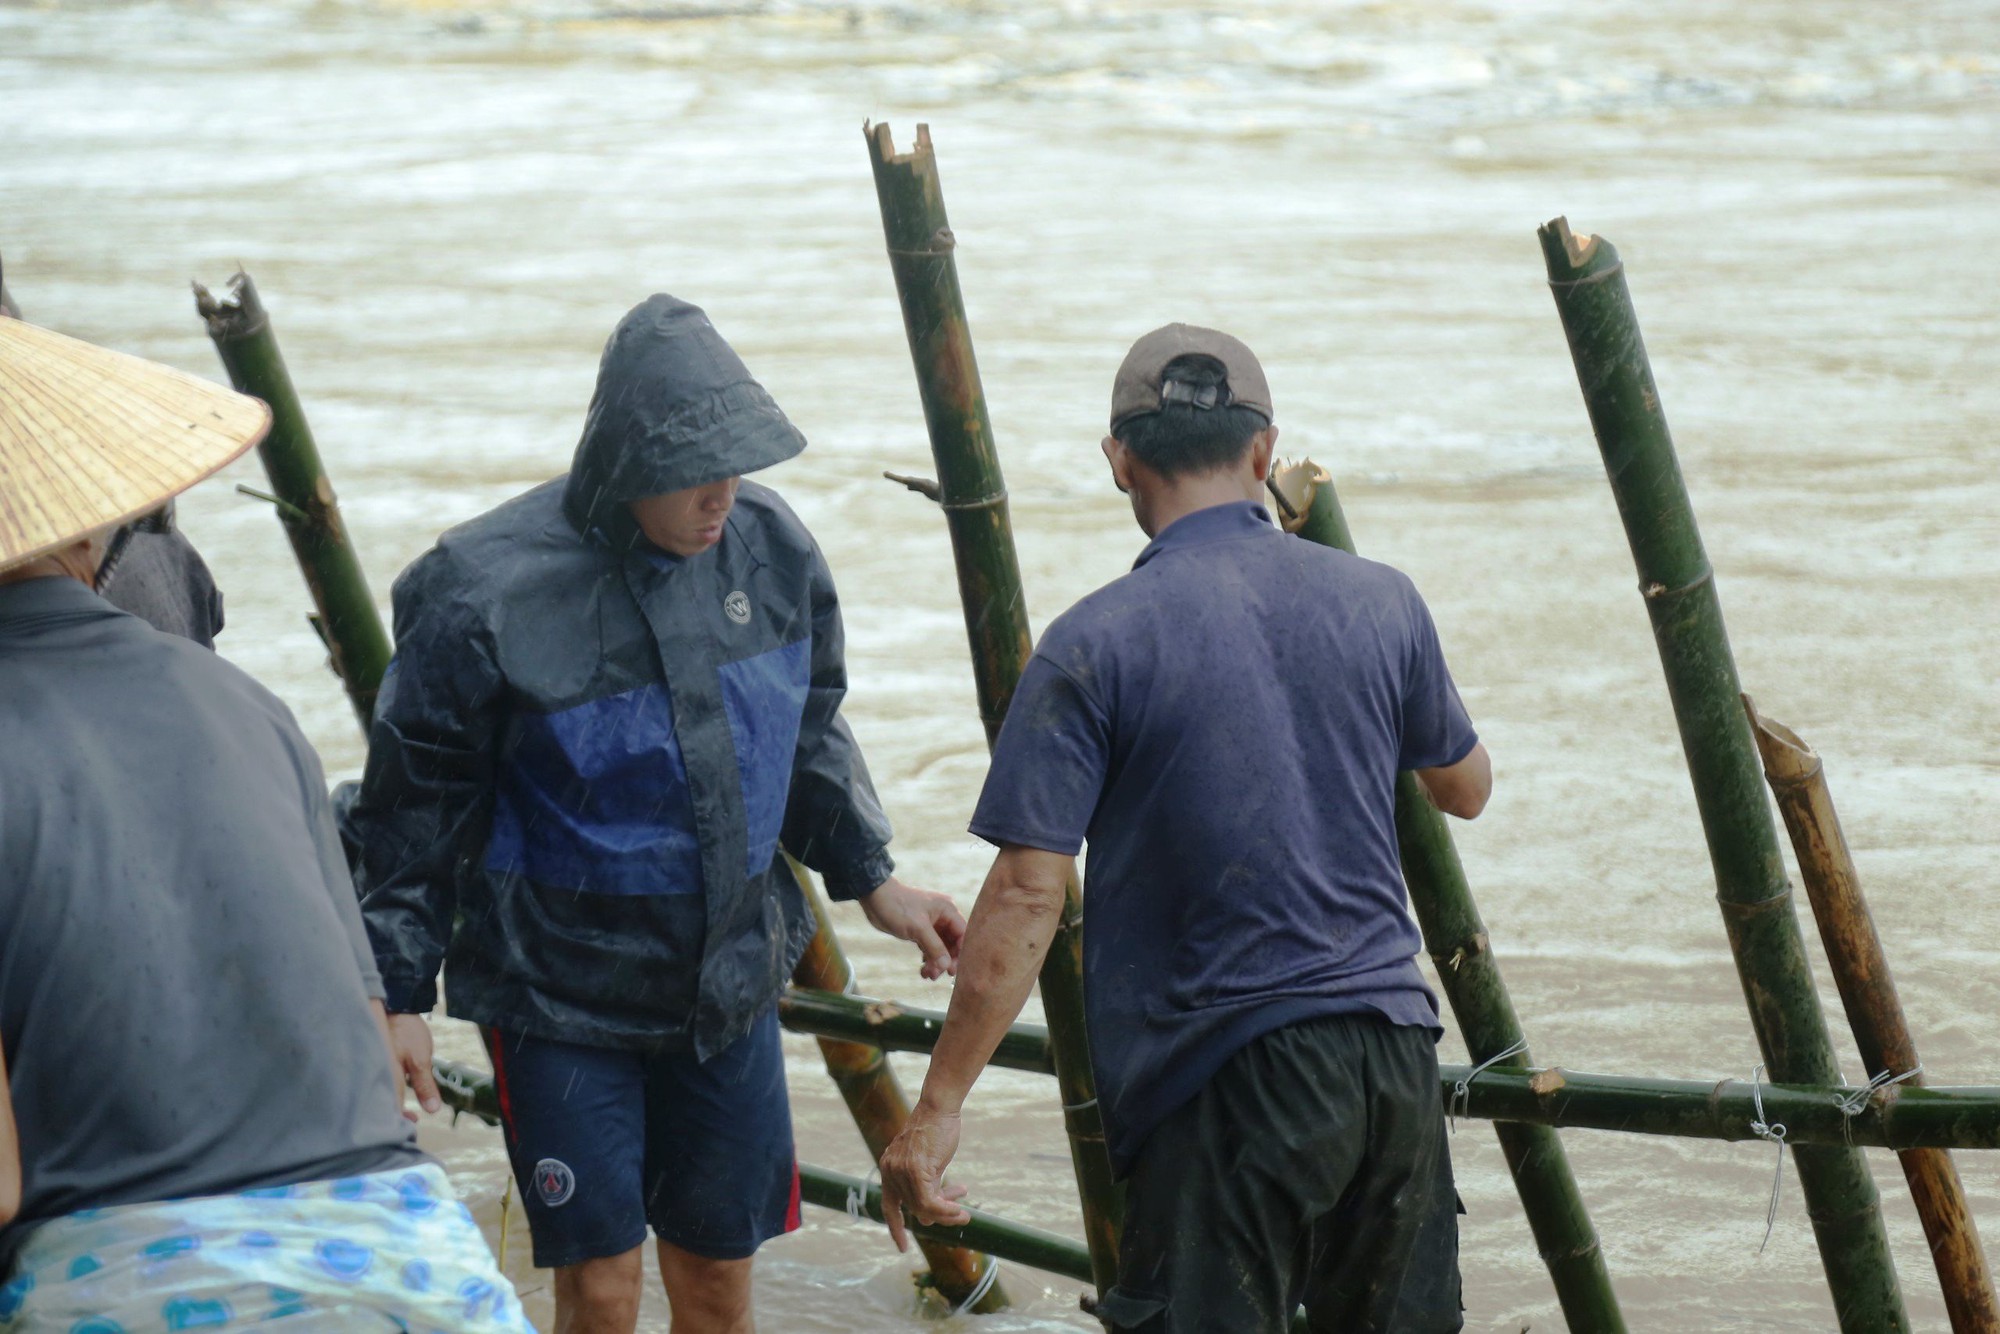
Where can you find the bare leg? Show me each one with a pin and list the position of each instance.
(708, 1296)
(600, 1296)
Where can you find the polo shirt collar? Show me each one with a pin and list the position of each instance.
(1218, 523)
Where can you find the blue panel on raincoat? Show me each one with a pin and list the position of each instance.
(765, 696)
(595, 799)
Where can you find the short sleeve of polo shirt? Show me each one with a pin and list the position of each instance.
(1436, 729)
(1049, 765)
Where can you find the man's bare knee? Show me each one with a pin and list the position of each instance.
(708, 1296)
(600, 1296)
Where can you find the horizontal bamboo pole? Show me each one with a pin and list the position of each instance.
(1015, 1242)
(1966, 1118)
(895, 1027)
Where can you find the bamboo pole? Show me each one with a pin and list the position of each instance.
(1591, 297)
(1903, 1118)
(346, 619)
(875, 1098)
(891, 1026)
(1874, 1013)
(1469, 974)
(974, 499)
(1011, 1241)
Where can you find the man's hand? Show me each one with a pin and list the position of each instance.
(913, 1173)
(929, 921)
(410, 1050)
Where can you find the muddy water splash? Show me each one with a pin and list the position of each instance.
(448, 207)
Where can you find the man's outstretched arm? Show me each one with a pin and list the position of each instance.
(1013, 922)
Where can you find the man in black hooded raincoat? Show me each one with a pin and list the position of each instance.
(614, 706)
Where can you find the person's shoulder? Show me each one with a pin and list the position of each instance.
(491, 552)
(204, 669)
(1352, 572)
(1082, 637)
(773, 519)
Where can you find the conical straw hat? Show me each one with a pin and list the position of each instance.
(91, 437)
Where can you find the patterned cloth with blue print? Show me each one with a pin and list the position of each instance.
(390, 1251)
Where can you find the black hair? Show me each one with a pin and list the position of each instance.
(1182, 439)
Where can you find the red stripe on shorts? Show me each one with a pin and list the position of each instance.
(494, 1042)
(792, 1210)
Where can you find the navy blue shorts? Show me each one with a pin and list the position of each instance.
(605, 1142)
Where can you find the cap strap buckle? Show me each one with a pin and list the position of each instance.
(1202, 397)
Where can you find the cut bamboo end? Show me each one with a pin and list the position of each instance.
(1293, 486)
(1572, 258)
(1787, 759)
(882, 145)
(236, 315)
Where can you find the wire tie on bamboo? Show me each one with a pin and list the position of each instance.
(1855, 1103)
(857, 1196)
(1461, 1092)
(1773, 1134)
(979, 1289)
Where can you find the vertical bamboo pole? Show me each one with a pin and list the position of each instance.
(1595, 306)
(347, 620)
(974, 499)
(1480, 1003)
(1868, 994)
(875, 1098)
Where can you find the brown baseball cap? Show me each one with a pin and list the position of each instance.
(1138, 389)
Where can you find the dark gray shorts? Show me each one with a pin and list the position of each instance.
(1311, 1169)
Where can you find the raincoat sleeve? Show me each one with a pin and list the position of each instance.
(833, 820)
(427, 793)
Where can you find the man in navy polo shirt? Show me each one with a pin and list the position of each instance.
(1224, 726)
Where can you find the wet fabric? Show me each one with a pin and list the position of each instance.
(587, 753)
(391, 1251)
(162, 579)
(184, 979)
(605, 1142)
(1311, 1168)
(1224, 725)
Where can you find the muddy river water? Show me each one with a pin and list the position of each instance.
(447, 206)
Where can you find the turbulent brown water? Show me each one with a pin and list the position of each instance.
(447, 208)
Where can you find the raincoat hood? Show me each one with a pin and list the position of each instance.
(675, 407)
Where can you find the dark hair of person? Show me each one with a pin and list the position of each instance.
(1182, 439)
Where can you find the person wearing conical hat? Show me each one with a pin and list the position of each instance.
(201, 1122)
(151, 569)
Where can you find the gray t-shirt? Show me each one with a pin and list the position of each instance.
(184, 978)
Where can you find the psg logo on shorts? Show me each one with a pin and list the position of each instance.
(554, 1182)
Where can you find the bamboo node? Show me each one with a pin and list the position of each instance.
(1658, 592)
(880, 1012)
(994, 501)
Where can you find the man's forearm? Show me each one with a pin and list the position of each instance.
(1005, 942)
